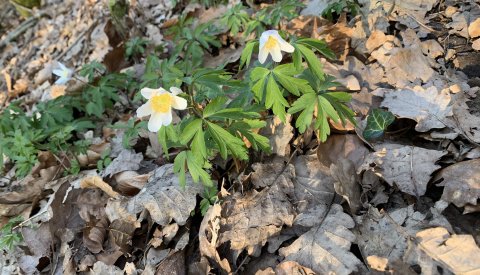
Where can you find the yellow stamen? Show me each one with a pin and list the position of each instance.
(161, 103)
(271, 43)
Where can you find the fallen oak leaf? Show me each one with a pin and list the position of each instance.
(325, 247)
(428, 107)
(162, 197)
(461, 182)
(408, 167)
(436, 247)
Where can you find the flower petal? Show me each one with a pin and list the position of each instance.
(145, 110)
(62, 80)
(167, 118)
(175, 90)
(276, 54)
(148, 92)
(286, 47)
(262, 55)
(179, 103)
(155, 122)
(57, 72)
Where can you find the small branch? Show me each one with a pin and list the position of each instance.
(21, 29)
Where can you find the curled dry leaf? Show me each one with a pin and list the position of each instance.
(162, 197)
(130, 182)
(461, 182)
(279, 134)
(436, 247)
(428, 107)
(94, 234)
(97, 182)
(408, 167)
(208, 238)
(325, 247)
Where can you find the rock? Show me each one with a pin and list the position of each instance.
(450, 10)
(474, 28)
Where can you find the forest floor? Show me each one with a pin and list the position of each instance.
(406, 202)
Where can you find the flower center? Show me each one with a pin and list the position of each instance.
(161, 103)
(271, 43)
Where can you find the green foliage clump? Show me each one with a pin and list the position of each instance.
(8, 236)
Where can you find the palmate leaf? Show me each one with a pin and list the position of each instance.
(227, 142)
(377, 122)
(285, 75)
(247, 53)
(329, 105)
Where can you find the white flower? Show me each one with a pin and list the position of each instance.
(159, 106)
(64, 73)
(272, 43)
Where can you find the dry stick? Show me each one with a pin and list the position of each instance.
(21, 29)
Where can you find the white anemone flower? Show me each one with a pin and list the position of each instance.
(159, 106)
(272, 43)
(64, 73)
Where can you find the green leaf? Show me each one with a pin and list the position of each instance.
(190, 130)
(275, 99)
(198, 145)
(214, 106)
(225, 141)
(179, 167)
(247, 53)
(306, 103)
(320, 45)
(377, 122)
(196, 170)
(312, 61)
(285, 76)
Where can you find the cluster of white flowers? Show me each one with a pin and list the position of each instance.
(160, 102)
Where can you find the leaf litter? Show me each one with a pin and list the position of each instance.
(302, 212)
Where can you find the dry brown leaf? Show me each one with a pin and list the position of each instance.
(127, 160)
(377, 263)
(432, 48)
(325, 247)
(407, 167)
(97, 182)
(436, 247)
(385, 234)
(466, 119)
(102, 268)
(208, 238)
(474, 28)
(279, 134)
(347, 183)
(162, 197)
(342, 146)
(461, 182)
(94, 235)
(407, 65)
(313, 183)
(249, 220)
(130, 182)
(39, 243)
(428, 107)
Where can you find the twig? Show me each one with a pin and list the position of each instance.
(21, 29)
